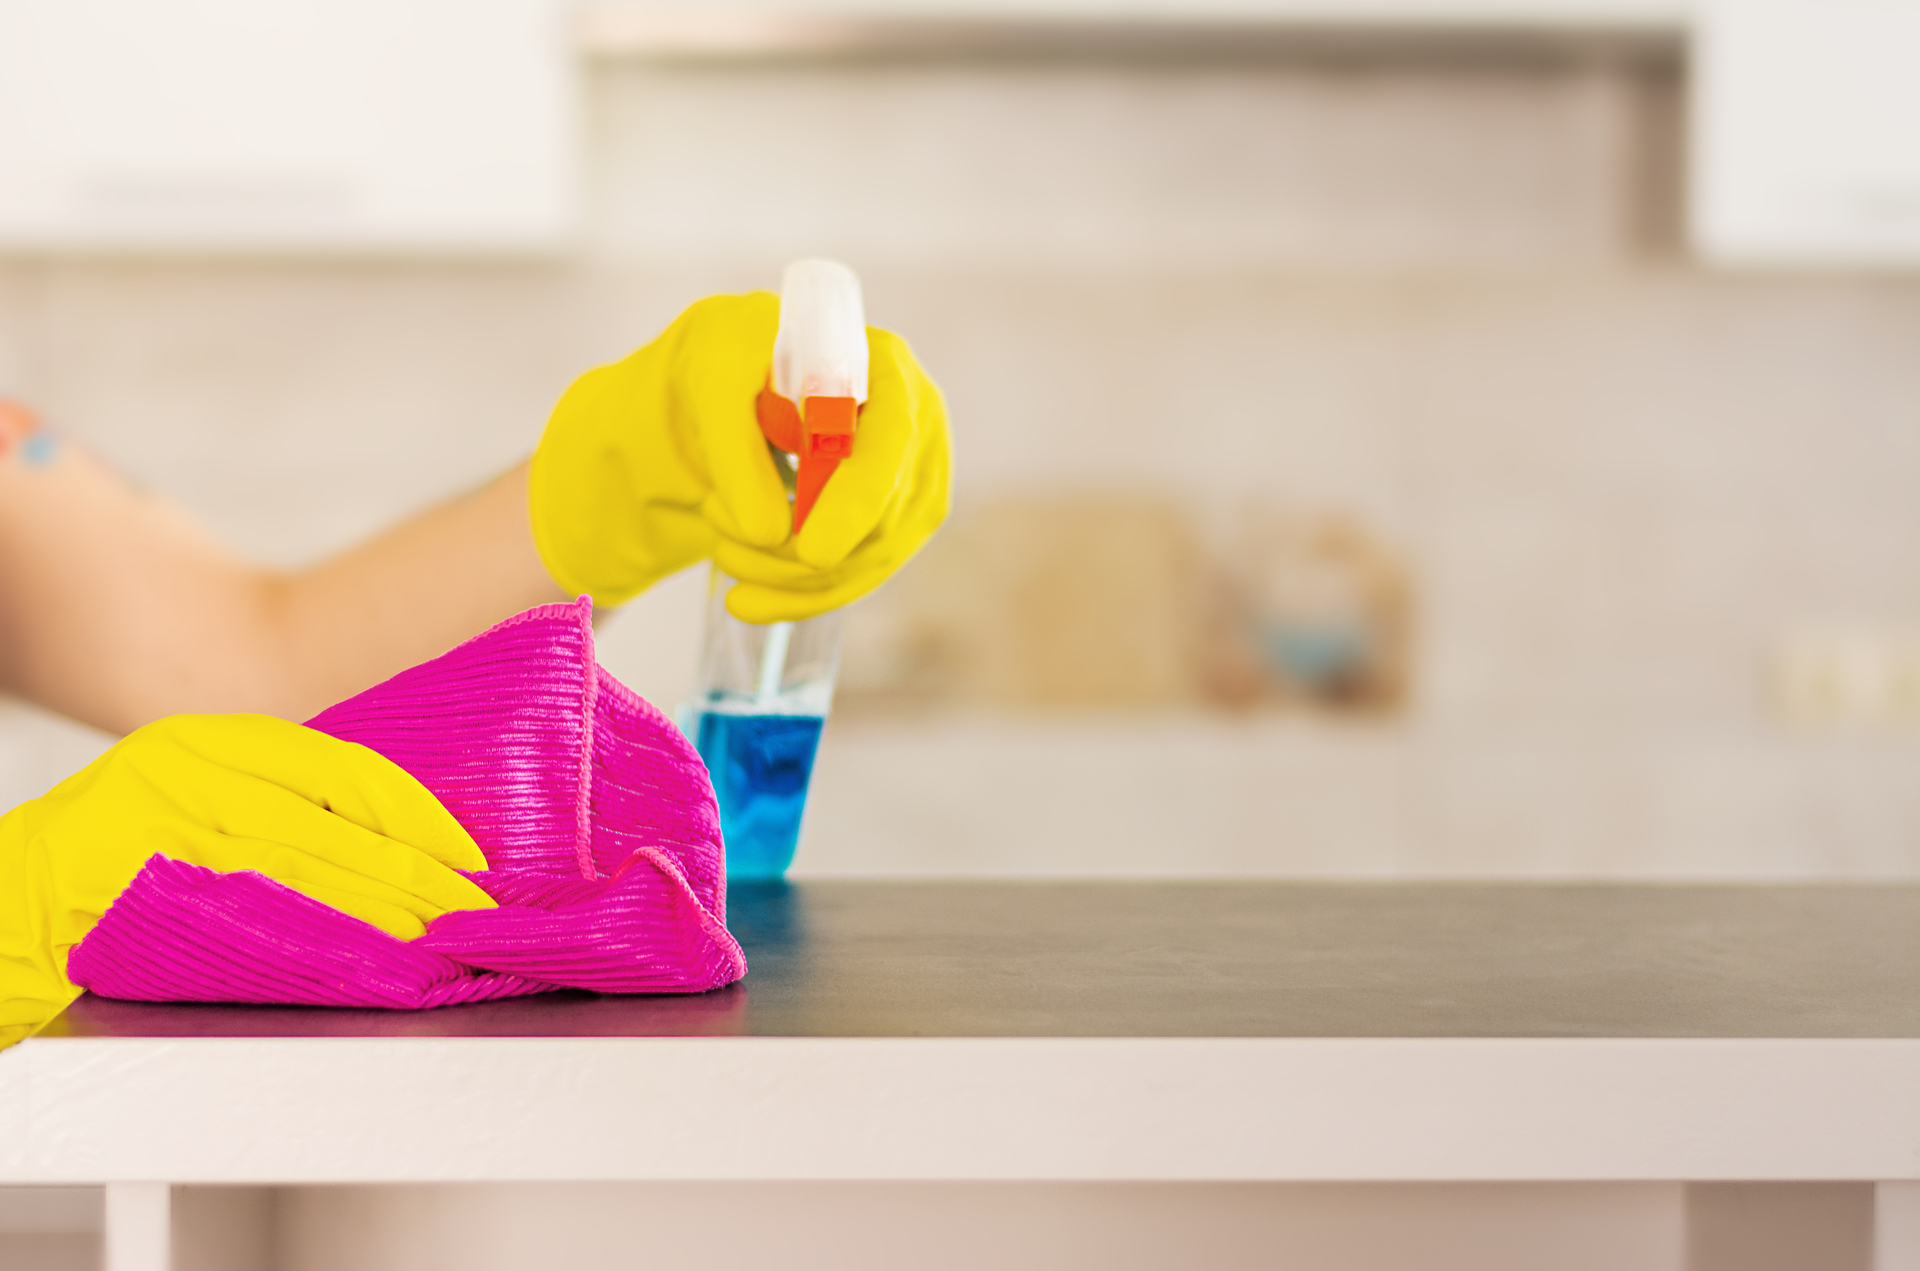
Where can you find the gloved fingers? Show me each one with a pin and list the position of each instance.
(724, 348)
(386, 804)
(19, 1032)
(902, 529)
(33, 986)
(753, 602)
(312, 783)
(400, 923)
(776, 588)
(343, 860)
(718, 520)
(775, 568)
(255, 792)
(902, 532)
(676, 537)
(773, 587)
(573, 475)
(926, 495)
(903, 414)
(22, 1017)
(769, 589)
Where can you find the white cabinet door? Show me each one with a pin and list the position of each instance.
(331, 125)
(1807, 131)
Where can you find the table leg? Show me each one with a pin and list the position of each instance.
(1896, 1226)
(1780, 1227)
(139, 1228)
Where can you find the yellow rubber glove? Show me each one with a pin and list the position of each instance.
(657, 461)
(328, 818)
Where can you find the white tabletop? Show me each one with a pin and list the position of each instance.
(1072, 1031)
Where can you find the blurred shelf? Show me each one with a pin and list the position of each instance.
(1137, 29)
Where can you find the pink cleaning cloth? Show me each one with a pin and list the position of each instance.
(596, 817)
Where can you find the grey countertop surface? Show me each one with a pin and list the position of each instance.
(1212, 959)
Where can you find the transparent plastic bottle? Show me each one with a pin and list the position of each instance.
(763, 691)
(762, 700)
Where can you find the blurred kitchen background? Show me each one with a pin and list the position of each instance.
(1384, 448)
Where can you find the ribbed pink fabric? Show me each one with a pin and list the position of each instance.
(596, 817)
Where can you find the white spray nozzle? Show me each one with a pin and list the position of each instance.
(821, 350)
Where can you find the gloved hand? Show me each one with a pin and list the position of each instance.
(656, 462)
(328, 818)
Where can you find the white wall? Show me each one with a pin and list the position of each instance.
(1016, 1226)
(1444, 297)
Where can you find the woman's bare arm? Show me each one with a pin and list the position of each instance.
(116, 609)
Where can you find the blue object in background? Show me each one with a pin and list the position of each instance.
(1316, 657)
(760, 766)
(39, 449)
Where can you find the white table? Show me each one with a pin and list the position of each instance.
(1089, 1031)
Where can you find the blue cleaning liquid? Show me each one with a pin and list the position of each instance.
(760, 766)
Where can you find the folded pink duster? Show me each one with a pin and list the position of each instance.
(597, 820)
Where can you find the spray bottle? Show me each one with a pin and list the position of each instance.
(763, 691)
